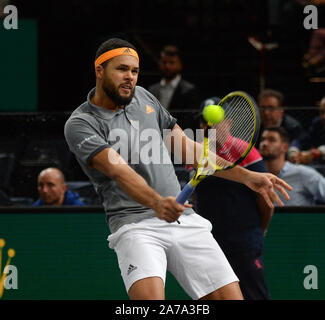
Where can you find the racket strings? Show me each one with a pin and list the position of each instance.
(242, 115)
(231, 138)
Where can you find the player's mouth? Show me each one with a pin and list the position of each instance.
(127, 88)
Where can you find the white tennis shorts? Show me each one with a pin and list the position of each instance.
(188, 250)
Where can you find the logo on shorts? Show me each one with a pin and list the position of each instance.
(131, 268)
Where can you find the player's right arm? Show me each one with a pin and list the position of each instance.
(110, 163)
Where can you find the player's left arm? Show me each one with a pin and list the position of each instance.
(256, 163)
(262, 183)
(266, 213)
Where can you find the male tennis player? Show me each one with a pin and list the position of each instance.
(107, 135)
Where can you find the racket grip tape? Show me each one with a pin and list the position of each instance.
(185, 193)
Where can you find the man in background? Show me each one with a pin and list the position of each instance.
(53, 190)
(311, 147)
(270, 103)
(308, 185)
(173, 92)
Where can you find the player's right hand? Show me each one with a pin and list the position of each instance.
(169, 209)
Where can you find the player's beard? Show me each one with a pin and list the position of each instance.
(112, 92)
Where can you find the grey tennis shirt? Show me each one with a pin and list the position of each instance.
(136, 132)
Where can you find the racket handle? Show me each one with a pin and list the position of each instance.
(185, 193)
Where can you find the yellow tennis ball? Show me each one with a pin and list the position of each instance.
(2, 243)
(213, 114)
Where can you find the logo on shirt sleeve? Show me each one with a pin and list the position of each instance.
(149, 109)
(79, 145)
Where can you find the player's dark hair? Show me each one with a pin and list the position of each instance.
(282, 133)
(271, 93)
(111, 44)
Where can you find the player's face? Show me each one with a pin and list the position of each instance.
(119, 79)
(271, 145)
(51, 188)
(170, 66)
(270, 111)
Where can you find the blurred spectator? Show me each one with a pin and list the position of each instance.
(308, 185)
(239, 218)
(314, 59)
(311, 147)
(53, 190)
(173, 91)
(272, 115)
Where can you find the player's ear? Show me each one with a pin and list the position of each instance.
(99, 70)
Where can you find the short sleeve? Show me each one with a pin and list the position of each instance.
(165, 119)
(84, 139)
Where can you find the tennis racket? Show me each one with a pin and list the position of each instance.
(227, 143)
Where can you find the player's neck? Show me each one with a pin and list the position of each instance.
(275, 165)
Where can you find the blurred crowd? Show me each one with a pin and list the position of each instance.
(291, 149)
(300, 145)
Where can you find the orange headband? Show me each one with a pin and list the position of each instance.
(115, 52)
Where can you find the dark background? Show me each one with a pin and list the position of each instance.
(212, 34)
(218, 58)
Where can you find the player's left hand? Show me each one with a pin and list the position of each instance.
(265, 183)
